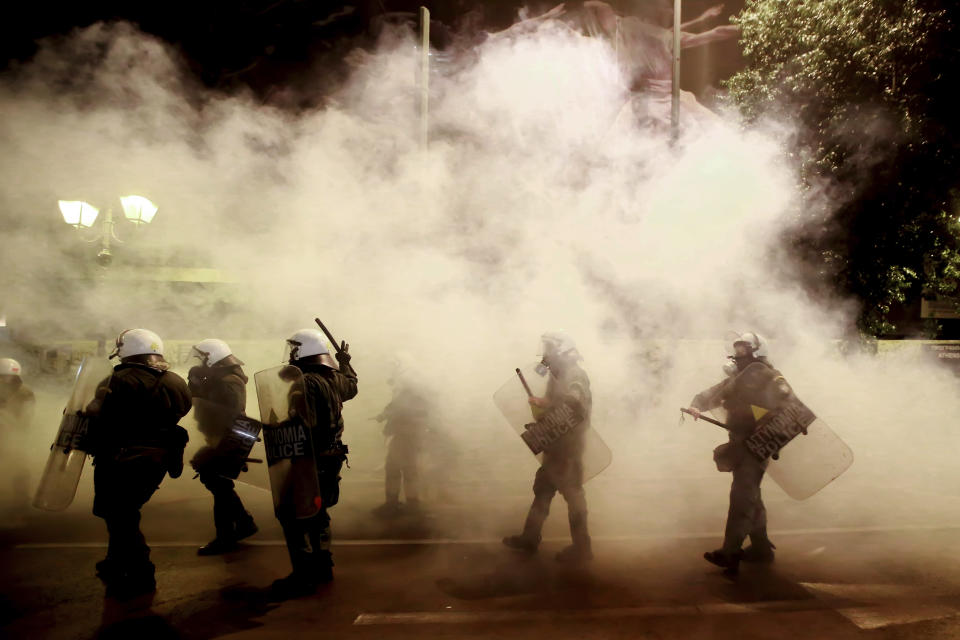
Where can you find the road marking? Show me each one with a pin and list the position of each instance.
(568, 615)
(873, 606)
(468, 541)
(884, 605)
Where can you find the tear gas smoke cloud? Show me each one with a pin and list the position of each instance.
(539, 205)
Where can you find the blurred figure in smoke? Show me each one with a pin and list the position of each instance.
(17, 404)
(16, 399)
(135, 441)
(562, 467)
(220, 380)
(747, 515)
(326, 386)
(406, 420)
(643, 44)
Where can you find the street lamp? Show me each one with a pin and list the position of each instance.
(82, 215)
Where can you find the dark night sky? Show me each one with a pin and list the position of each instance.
(266, 44)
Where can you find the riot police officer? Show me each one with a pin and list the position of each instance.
(562, 467)
(17, 404)
(135, 441)
(220, 381)
(17, 401)
(747, 515)
(319, 404)
(405, 418)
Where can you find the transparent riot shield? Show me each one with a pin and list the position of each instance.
(230, 437)
(542, 430)
(58, 486)
(288, 441)
(806, 455)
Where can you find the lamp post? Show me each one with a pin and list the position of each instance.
(675, 89)
(83, 215)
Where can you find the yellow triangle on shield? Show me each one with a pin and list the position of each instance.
(758, 412)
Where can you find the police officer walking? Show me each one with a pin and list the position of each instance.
(747, 515)
(220, 381)
(318, 404)
(405, 419)
(135, 441)
(562, 467)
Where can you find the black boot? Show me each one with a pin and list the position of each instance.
(729, 562)
(217, 546)
(520, 543)
(759, 551)
(108, 571)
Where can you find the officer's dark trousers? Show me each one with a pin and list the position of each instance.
(308, 539)
(120, 490)
(747, 515)
(308, 543)
(401, 465)
(566, 476)
(228, 511)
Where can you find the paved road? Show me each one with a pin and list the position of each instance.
(839, 573)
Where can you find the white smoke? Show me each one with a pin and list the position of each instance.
(539, 205)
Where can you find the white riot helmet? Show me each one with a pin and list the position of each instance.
(136, 342)
(310, 343)
(9, 367)
(559, 343)
(749, 344)
(214, 352)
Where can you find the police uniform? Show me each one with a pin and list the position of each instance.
(224, 386)
(405, 418)
(308, 539)
(136, 440)
(747, 515)
(562, 467)
(17, 404)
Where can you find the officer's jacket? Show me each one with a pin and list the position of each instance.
(570, 385)
(226, 386)
(16, 406)
(406, 415)
(735, 399)
(140, 407)
(325, 391)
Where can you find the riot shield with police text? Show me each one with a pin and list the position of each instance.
(230, 437)
(58, 485)
(542, 430)
(288, 441)
(805, 454)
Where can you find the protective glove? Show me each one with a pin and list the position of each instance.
(343, 357)
(195, 379)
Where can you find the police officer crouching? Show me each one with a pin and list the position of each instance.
(326, 386)
(219, 380)
(135, 441)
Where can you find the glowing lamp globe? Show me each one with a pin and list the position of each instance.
(138, 209)
(78, 214)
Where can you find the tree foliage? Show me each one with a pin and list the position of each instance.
(870, 85)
